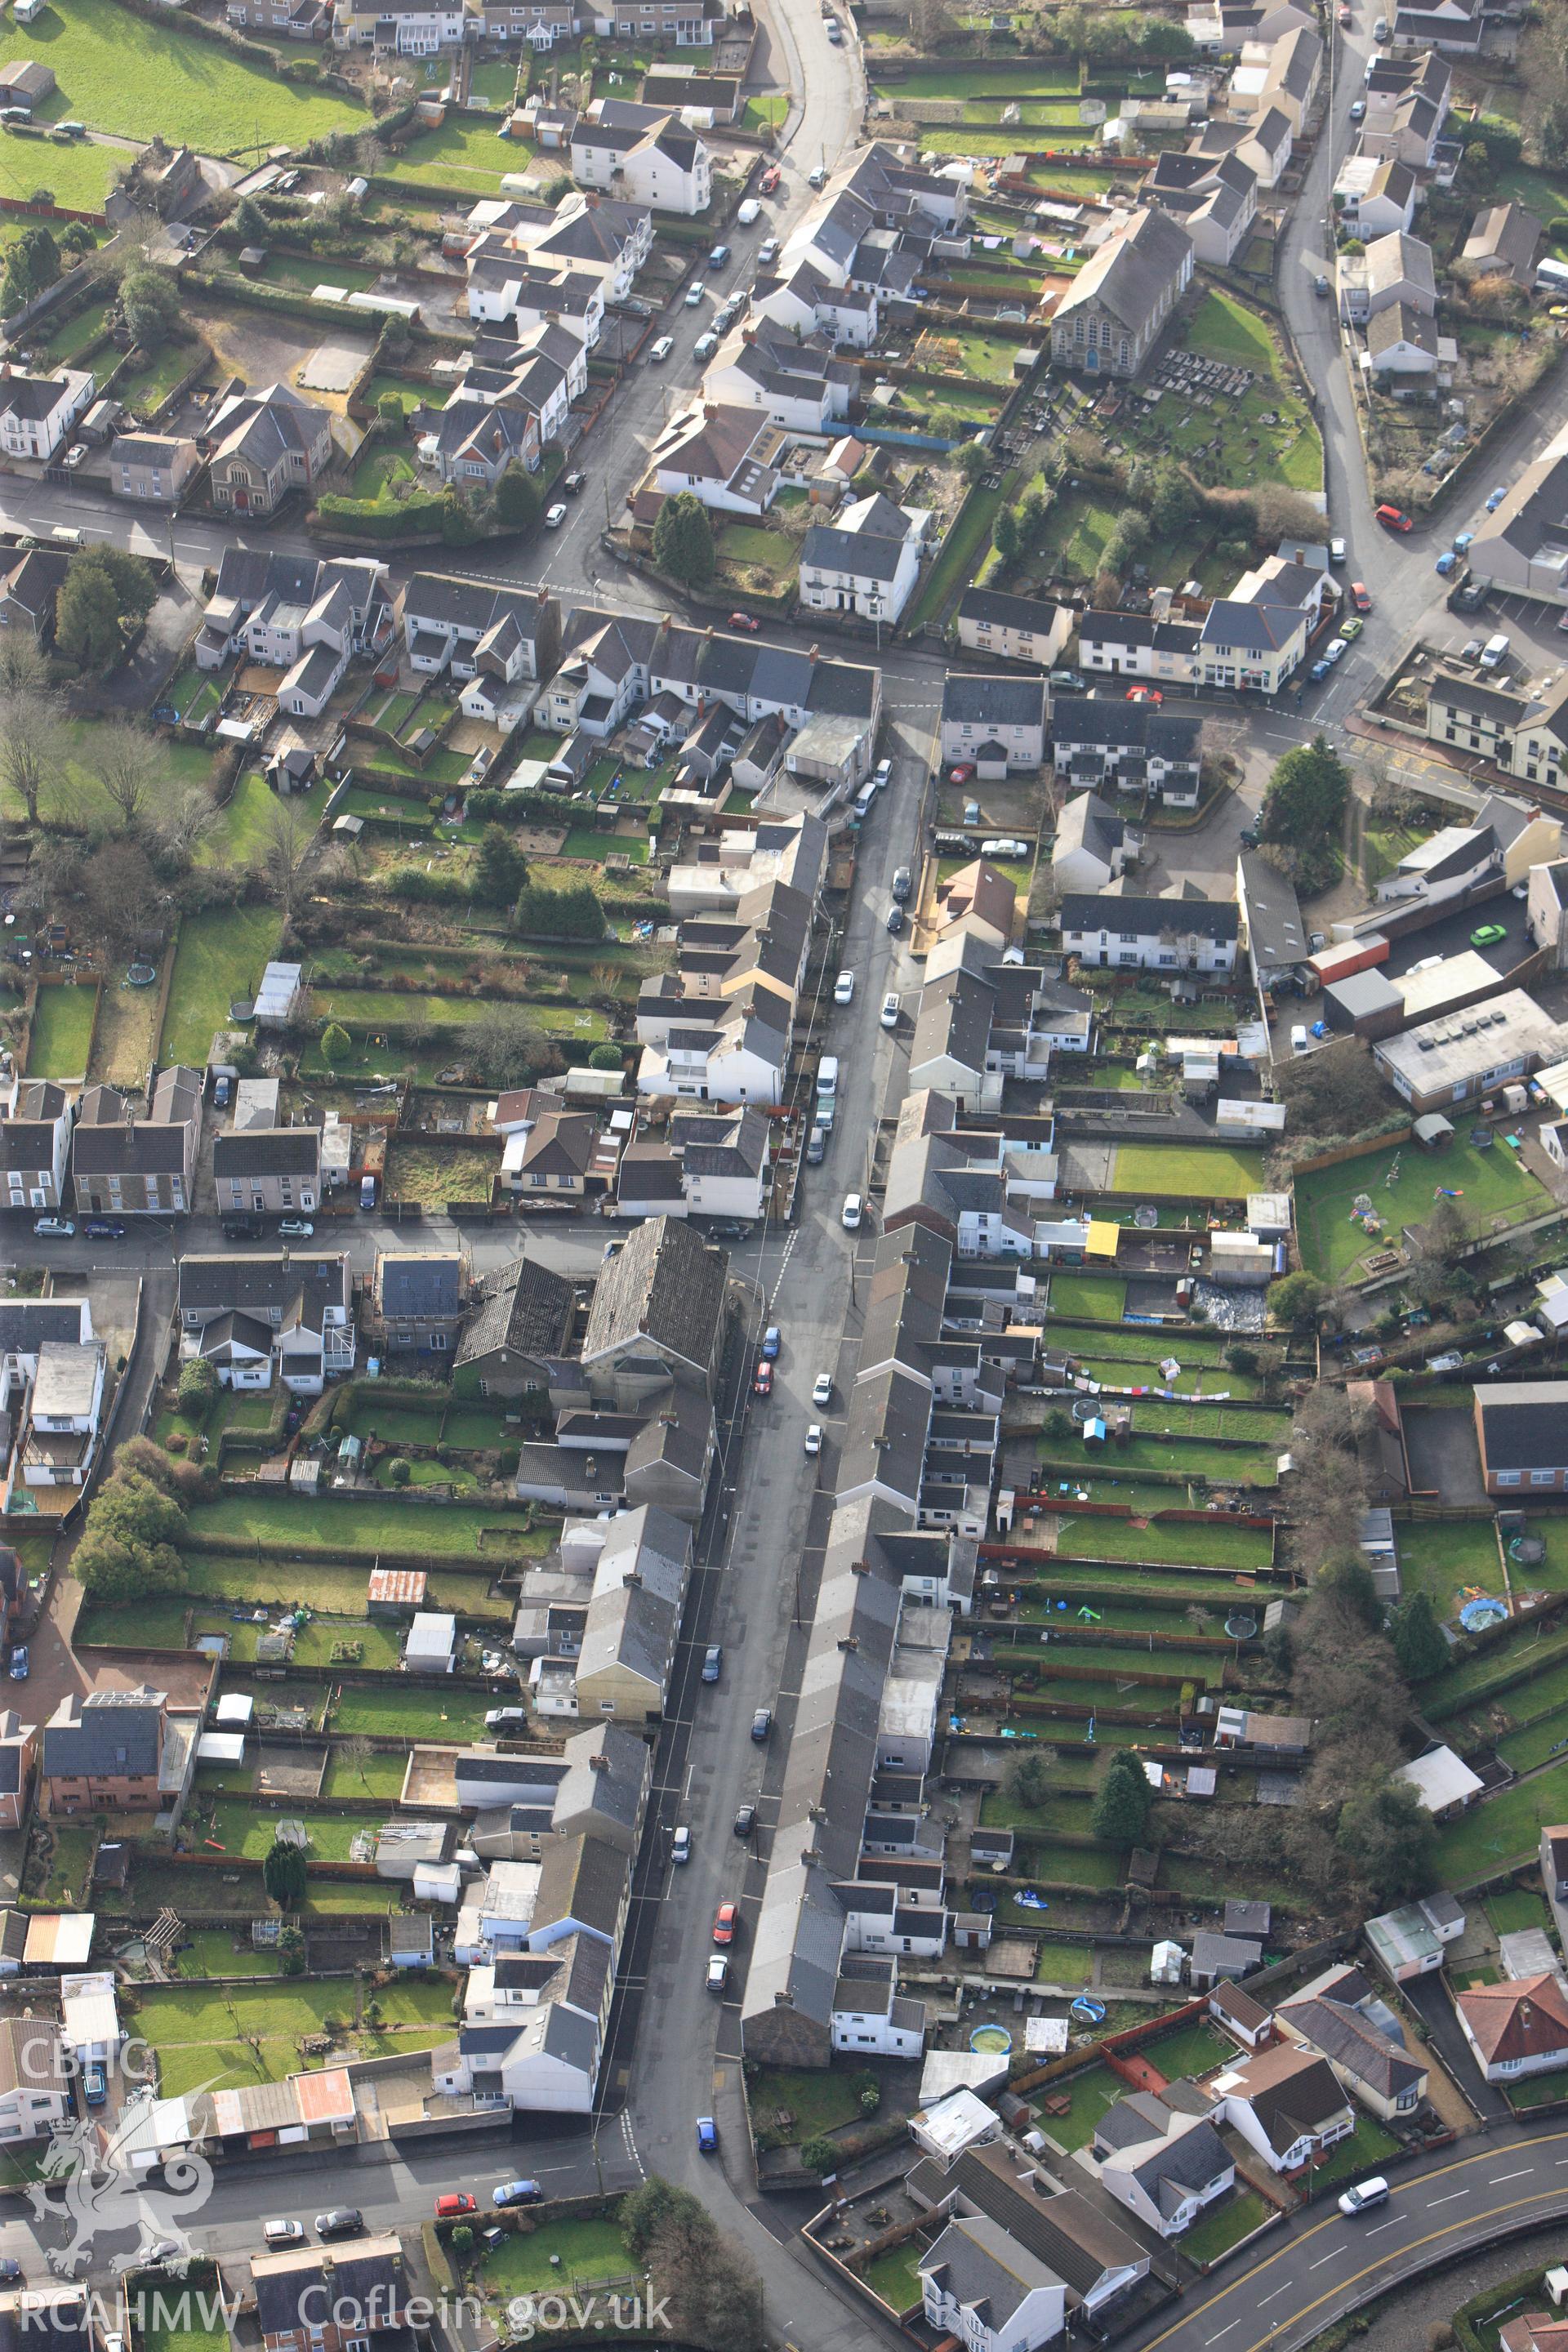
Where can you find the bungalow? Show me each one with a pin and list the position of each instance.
(1516, 2028)
(1505, 241)
(1162, 2162)
(1286, 2103)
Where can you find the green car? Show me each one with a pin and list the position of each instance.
(1489, 935)
(1350, 630)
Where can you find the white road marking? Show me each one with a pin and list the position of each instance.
(1449, 2199)
(1387, 2225)
(1325, 2258)
(1275, 2297)
(1224, 2331)
(1496, 2178)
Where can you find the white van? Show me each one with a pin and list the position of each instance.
(827, 1078)
(1299, 1039)
(660, 351)
(864, 798)
(1495, 652)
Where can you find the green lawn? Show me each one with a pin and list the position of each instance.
(1537, 2091)
(147, 385)
(773, 551)
(220, 958)
(243, 827)
(1204, 1171)
(198, 2034)
(1516, 1907)
(894, 2277)
(411, 1712)
(335, 1525)
(959, 558)
(1091, 2092)
(1225, 2224)
(1192, 2050)
(120, 73)
(1492, 1184)
(813, 2102)
(74, 336)
(1010, 78)
(308, 272)
(1367, 2147)
(1449, 1562)
(77, 173)
(548, 2259)
(463, 153)
(1095, 1299)
(1502, 1829)
(377, 477)
(410, 397)
(218, 1952)
(61, 1032)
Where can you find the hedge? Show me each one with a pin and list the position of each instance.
(369, 519)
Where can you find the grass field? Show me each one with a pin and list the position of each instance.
(1449, 1562)
(198, 2035)
(220, 957)
(61, 1032)
(332, 1524)
(1205, 1171)
(242, 826)
(1493, 1184)
(78, 173)
(120, 73)
(461, 153)
(1097, 1298)
(1192, 2050)
(1502, 1829)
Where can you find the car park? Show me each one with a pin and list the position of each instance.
(891, 1009)
(516, 2192)
(851, 1213)
(821, 1389)
(707, 2135)
(762, 1380)
(844, 987)
(661, 350)
(813, 1437)
(1359, 596)
(761, 1726)
(1362, 2197)
(341, 2221)
(452, 2203)
(726, 1920)
(744, 620)
(712, 1661)
(54, 1228)
(283, 2233)
(1489, 935)
(718, 1972)
(694, 293)
(554, 517)
(1394, 519)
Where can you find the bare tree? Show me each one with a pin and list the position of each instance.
(185, 823)
(128, 765)
(288, 843)
(32, 741)
(356, 1752)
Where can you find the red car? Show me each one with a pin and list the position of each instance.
(1144, 693)
(724, 1923)
(744, 620)
(456, 2202)
(1392, 520)
(762, 1380)
(769, 180)
(1359, 596)
(962, 773)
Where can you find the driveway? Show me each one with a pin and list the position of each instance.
(1440, 1441)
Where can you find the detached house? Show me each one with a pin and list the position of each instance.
(997, 722)
(1091, 847)
(642, 155)
(1013, 629)
(105, 1752)
(34, 1143)
(1112, 317)
(126, 1166)
(1214, 197)
(38, 412)
(981, 2287)
(34, 2098)
(1286, 2103)
(1516, 2028)
(1522, 1429)
(864, 562)
(1505, 241)
(1164, 2164)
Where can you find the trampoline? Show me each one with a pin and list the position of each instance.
(1087, 2008)
(1241, 1625)
(141, 975)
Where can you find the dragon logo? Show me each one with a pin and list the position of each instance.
(95, 2195)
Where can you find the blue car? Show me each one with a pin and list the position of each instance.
(707, 2135)
(1496, 500)
(1319, 669)
(771, 1343)
(1446, 561)
(21, 1664)
(94, 2088)
(516, 2192)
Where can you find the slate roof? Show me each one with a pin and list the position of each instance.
(108, 1735)
(1524, 1424)
(1063, 2230)
(986, 2271)
(262, 1284)
(1133, 271)
(1358, 2048)
(417, 1284)
(527, 1312)
(1006, 700)
(667, 1286)
(1211, 918)
(267, 1151)
(582, 1878)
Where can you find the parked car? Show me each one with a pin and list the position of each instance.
(55, 1228)
(844, 987)
(1358, 109)
(895, 919)
(712, 1661)
(762, 1380)
(772, 1341)
(1144, 693)
(576, 483)
(761, 1726)
(960, 774)
(94, 2087)
(745, 1820)
(850, 1213)
(816, 1147)
(1392, 518)
(694, 293)
(1318, 672)
(821, 1389)
(903, 883)
(341, 2221)
(744, 620)
(11, 2271)
(1365, 2194)
(1336, 551)
(105, 1229)
(767, 252)
(891, 1009)
(516, 2192)
(295, 1229)
(21, 1664)
(1334, 651)
(658, 352)
(719, 257)
(506, 1718)
(680, 1844)
(813, 1437)
(1449, 1361)
(1359, 596)
(748, 212)
(707, 2135)
(704, 347)
(555, 516)
(283, 2233)
(1350, 630)
(817, 176)
(1489, 935)
(1496, 499)
(771, 179)
(718, 1972)
(881, 775)
(726, 1920)
(1447, 563)
(452, 2203)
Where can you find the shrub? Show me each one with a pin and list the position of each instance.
(398, 1472)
